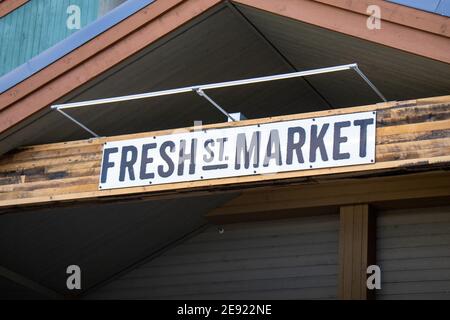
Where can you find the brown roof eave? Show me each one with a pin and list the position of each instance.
(414, 31)
(8, 6)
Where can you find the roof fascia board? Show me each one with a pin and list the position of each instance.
(8, 6)
(403, 15)
(353, 22)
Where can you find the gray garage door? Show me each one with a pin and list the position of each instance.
(413, 251)
(290, 259)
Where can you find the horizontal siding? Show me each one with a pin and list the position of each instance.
(413, 251)
(289, 259)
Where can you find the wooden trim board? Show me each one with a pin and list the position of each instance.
(303, 197)
(8, 6)
(402, 27)
(411, 134)
(356, 251)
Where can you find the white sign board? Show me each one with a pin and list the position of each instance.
(305, 144)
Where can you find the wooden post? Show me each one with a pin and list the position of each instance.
(356, 251)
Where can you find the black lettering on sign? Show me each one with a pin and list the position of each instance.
(183, 156)
(295, 146)
(318, 143)
(221, 142)
(338, 139)
(209, 150)
(145, 159)
(242, 150)
(126, 163)
(273, 149)
(167, 159)
(106, 163)
(215, 167)
(287, 145)
(363, 124)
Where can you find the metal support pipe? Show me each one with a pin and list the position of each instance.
(205, 87)
(371, 85)
(201, 93)
(78, 123)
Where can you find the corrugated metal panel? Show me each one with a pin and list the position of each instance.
(36, 26)
(413, 251)
(284, 259)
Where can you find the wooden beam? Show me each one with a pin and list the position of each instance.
(411, 135)
(334, 193)
(356, 251)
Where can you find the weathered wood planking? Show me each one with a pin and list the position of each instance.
(356, 251)
(414, 133)
(407, 189)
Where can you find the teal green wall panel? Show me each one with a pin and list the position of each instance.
(37, 26)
